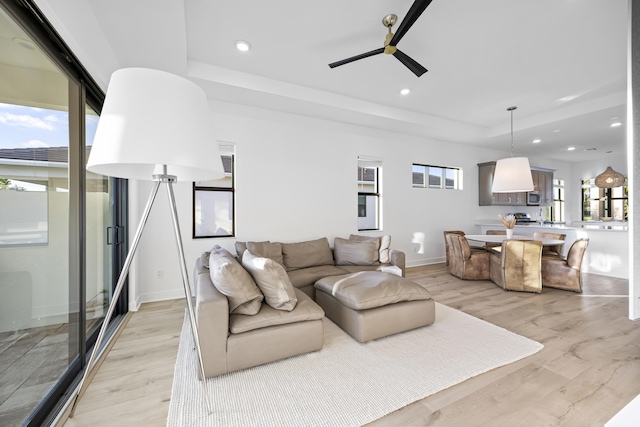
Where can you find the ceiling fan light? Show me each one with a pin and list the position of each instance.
(512, 175)
(609, 179)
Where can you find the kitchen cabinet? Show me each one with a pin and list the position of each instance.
(542, 182)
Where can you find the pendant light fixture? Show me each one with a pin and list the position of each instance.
(513, 174)
(609, 179)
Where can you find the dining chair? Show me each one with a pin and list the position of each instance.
(446, 242)
(465, 263)
(517, 267)
(565, 273)
(556, 250)
(489, 245)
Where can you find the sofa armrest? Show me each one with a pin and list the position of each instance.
(397, 258)
(212, 318)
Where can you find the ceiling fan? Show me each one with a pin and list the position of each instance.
(392, 40)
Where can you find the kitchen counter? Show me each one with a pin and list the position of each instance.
(602, 225)
(608, 250)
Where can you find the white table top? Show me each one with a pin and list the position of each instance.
(498, 238)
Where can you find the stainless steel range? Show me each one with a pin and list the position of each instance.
(523, 218)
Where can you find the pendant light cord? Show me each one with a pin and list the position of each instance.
(511, 110)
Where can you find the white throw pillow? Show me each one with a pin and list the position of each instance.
(272, 280)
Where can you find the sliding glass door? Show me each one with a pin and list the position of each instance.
(59, 238)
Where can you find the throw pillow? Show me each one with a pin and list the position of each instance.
(307, 254)
(353, 252)
(240, 248)
(272, 280)
(233, 281)
(264, 249)
(385, 244)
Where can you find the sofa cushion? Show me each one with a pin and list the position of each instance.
(204, 259)
(264, 249)
(371, 289)
(272, 280)
(306, 309)
(308, 276)
(235, 282)
(353, 252)
(385, 245)
(307, 254)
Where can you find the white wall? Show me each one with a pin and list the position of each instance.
(296, 180)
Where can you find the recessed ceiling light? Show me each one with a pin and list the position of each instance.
(571, 148)
(536, 141)
(243, 46)
(615, 124)
(405, 91)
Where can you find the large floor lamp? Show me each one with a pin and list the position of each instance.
(153, 126)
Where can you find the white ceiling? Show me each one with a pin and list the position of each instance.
(482, 57)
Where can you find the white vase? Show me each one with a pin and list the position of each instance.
(509, 233)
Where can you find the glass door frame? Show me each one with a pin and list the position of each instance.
(83, 90)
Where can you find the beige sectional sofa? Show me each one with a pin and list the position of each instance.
(258, 306)
(307, 262)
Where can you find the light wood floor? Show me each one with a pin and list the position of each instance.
(588, 370)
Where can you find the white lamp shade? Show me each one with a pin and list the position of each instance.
(152, 118)
(512, 175)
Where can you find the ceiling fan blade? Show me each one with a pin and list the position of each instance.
(355, 58)
(410, 63)
(412, 16)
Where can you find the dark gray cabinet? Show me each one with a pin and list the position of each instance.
(542, 182)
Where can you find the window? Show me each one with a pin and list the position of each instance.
(369, 206)
(598, 203)
(426, 176)
(557, 210)
(213, 201)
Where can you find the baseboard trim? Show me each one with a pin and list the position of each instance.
(426, 261)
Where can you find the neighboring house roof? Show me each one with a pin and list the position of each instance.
(38, 154)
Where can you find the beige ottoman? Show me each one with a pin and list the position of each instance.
(371, 304)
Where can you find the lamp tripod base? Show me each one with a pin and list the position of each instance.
(158, 179)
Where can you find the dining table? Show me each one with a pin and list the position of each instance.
(499, 238)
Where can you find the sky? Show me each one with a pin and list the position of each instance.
(28, 127)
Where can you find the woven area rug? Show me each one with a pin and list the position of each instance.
(346, 383)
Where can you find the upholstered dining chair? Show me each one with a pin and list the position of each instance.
(565, 273)
(556, 250)
(465, 263)
(446, 243)
(489, 245)
(517, 267)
